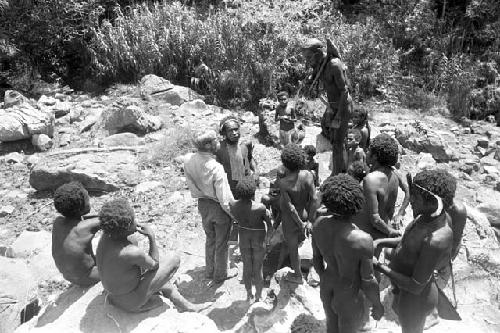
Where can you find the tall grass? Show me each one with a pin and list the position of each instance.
(252, 51)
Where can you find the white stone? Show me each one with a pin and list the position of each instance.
(147, 186)
(6, 210)
(42, 142)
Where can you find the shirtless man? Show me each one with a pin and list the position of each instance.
(348, 254)
(236, 157)
(300, 198)
(331, 71)
(130, 276)
(253, 235)
(72, 236)
(425, 246)
(380, 188)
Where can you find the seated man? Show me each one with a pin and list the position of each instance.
(72, 235)
(348, 254)
(129, 275)
(253, 235)
(425, 246)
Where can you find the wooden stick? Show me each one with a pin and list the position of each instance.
(75, 151)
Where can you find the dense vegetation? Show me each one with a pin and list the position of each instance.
(421, 53)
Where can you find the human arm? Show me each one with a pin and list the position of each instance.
(337, 73)
(222, 189)
(314, 201)
(403, 185)
(268, 224)
(253, 163)
(90, 224)
(459, 218)
(318, 263)
(387, 242)
(369, 283)
(153, 248)
(286, 203)
(370, 187)
(423, 270)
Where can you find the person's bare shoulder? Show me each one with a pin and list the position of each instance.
(361, 243)
(131, 252)
(306, 176)
(459, 208)
(442, 238)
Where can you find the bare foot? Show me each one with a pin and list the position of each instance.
(431, 320)
(250, 298)
(231, 273)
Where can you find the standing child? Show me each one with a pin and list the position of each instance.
(286, 116)
(311, 163)
(253, 235)
(354, 150)
(360, 123)
(72, 235)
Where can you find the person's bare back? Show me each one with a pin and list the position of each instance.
(249, 216)
(300, 188)
(72, 248)
(120, 274)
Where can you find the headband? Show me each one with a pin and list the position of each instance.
(440, 206)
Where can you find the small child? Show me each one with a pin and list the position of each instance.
(253, 234)
(286, 116)
(358, 170)
(72, 235)
(354, 151)
(311, 163)
(360, 123)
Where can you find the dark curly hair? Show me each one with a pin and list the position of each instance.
(245, 189)
(70, 199)
(116, 216)
(342, 195)
(310, 150)
(438, 181)
(385, 148)
(358, 170)
(293, 157)
(223, 123)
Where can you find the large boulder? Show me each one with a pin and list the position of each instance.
(158, 88)
(80, 310)
(130, 118)
(414, 137)
(122, 139)
(152, 85)
(17, 290)
(20, 120)
(106, 171)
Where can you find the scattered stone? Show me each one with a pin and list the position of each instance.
(467, 130)
(31, 242)
(101, 172)
(151, 85)
(130, 118)
(61, 97)
(425, 161)
(32, 160)
(61, 109)
(41, 142)
(489, 160)
(46, 101)
(147, 186)
(425, 140)
(64, 139)
(483, 143)
(122, 139)
(249, 117)
(174, 197)
(21, 120)
(86, 104)
(14, 157)
(491, 170)
(193, 108)
(6, 210)
(497, 187)
(155, 137)
(89, 122)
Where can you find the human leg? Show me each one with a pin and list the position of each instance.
(222, 226)
(414, 309)
(292, 241)
(258, 279)
(246, 257)
(350, 310)
(326, 295)
(209, 228)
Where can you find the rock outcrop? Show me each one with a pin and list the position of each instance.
(105, 171)
(130, 118)
(20, 120)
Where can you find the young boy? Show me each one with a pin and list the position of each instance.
(358, 170)
(354, 151)
(311, 163)
(348, 254)
(286, 116)
(253, 235)
(72, 235)
(360, 122)
(130, 276)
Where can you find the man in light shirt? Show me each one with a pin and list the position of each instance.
(208, 183)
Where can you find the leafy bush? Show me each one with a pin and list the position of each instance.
(176, 142)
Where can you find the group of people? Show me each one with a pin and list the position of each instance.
(352, 217)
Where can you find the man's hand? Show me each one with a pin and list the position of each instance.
(145, 230)
(377, 311)
(307, 228)
(393, 233)
(398, 220)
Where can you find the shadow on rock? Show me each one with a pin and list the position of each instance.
(62, 303)
(101, 316)
(196, 290)
(227, 318)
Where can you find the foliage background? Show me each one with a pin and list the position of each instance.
(420, 53)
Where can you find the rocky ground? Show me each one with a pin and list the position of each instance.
(88, 143)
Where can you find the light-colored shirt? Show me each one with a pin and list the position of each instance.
(206, 178)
